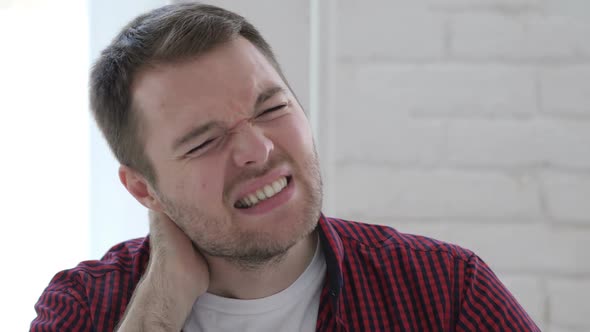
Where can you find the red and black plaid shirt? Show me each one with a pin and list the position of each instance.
(378, 280)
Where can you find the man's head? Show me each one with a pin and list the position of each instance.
(207, 130)
(166, 35)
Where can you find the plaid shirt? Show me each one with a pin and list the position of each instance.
(377, 280)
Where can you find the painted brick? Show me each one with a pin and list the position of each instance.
(385, 29)
(511, 248)
(565, 90)
(567, 196)
(482, 139)
(364, 138)
(553, 328)
(443, 90)
(569, 304)
(387, 192)
(519, 36)
(462, 142)
(485, 142)
(575, 9)
(564, 142)
(484, 4)
(526, 143)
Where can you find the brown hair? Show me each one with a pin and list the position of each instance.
(165, 35)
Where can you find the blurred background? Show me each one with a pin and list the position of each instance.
(464, 120)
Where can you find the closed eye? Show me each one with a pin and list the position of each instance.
(271, 110)
(201, 146)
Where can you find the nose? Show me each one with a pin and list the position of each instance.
(251, 146)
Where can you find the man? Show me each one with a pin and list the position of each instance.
(214, 143)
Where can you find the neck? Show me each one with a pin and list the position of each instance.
(235, 280)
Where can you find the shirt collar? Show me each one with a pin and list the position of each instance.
(334, 254)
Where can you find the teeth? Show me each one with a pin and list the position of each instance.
(268, 191)
(263, 193)
(252, 199)
(277, 186)
(260, 194)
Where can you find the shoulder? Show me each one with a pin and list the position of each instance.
(126, 258)
(386, 238)
(93, 294)
(382, 265)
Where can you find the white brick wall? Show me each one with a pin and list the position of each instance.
(390, 29)
(567, 196)
(518, 36)
(483, 4)
(381, 191)
(531, 143)
(566, 142)
(569, 303)
(469, 121)
(565, 90)
(441, 89)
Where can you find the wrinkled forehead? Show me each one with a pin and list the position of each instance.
(221, 84)
(235, 67)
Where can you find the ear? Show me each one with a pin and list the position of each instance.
(139, 187)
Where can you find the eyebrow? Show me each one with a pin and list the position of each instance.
(267, 94)
(193, 133)
(200, 130)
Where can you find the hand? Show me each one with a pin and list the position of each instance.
(175, 264)
(177, 274)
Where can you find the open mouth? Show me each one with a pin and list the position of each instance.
(261, 194)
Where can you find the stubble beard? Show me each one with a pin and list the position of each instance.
(250, 250)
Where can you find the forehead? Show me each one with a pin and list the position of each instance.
(219, 85)
(235, 67)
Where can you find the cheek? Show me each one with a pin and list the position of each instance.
(296, 134)
(198, 181)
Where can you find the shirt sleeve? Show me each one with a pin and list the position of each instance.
(61, 308)
(487, 305)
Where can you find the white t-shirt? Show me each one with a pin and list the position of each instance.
(293, 309)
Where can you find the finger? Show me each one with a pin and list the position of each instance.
(161, 227)
(160, 222)
(165, 231)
